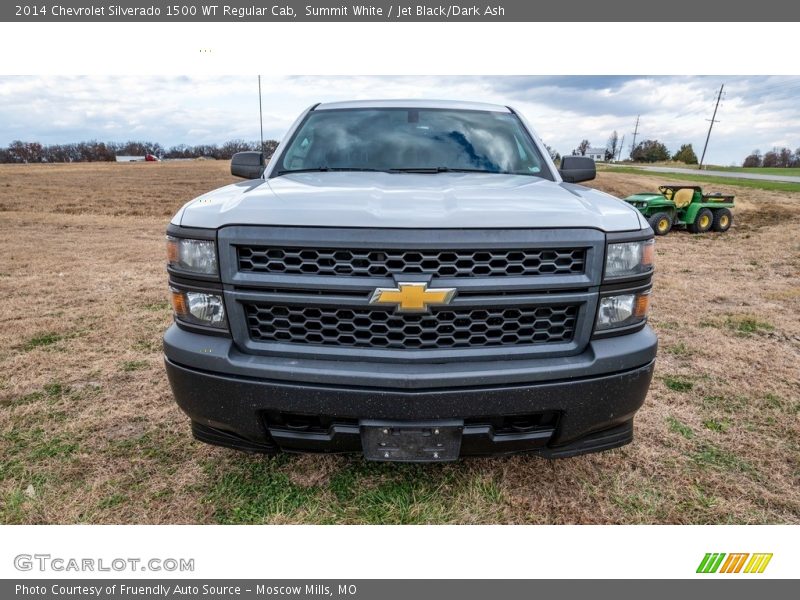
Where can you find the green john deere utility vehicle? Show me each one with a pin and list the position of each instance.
(684, 205)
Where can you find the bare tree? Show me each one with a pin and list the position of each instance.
(581, 149)
(612, 146)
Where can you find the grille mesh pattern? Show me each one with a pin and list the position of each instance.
(383, 263)
(443, 328)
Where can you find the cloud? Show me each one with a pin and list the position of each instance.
(756, 111)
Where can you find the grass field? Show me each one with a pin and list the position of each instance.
(794, 172)
(715, 180)
(89, 432)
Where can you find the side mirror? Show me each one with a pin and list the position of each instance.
(249, 165)
(575, 169)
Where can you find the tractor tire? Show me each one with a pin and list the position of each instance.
(723, 219)
(702, 222)
(660, 223)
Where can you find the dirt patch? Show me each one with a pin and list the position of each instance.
(306, 471)
(89, 431)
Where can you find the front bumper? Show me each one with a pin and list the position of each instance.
(586, 402)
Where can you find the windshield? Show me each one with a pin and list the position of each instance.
(412, 140)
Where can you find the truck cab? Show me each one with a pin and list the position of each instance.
(415, 281)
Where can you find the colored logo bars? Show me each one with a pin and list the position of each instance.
(719, 562)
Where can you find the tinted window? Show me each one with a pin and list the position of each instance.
(385, 139)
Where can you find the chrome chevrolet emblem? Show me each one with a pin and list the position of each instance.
(412, 297)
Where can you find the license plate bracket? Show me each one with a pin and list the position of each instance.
(411, 441)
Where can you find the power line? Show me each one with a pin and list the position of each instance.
(786, 84)
(710, 125)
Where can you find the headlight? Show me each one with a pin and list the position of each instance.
(629, 258)
(196, 256)
(199, 308)
(622, 310)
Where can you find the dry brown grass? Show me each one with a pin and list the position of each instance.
(89, 431)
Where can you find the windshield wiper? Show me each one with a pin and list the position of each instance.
(442, 170)
(325, 169)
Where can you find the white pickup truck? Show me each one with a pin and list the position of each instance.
(413, 280)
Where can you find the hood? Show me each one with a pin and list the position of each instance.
(409, 200)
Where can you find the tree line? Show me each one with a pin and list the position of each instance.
(19, 151)
(777, 157)
(647, 151)
(650, 151)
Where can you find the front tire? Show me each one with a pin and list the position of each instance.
(702, 222)
(660, 223)
(723, 219)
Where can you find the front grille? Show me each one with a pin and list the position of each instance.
(441, 329)
(383, 263)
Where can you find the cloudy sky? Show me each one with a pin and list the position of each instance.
(756, 111)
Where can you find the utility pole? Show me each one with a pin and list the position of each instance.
(260, 114)
(635, 133)
(621, 146)
(710, 125)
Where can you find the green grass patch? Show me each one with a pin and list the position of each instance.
(727, 404)
(410, 494)
(747, 325)
(148, 346)
(22, 400)
(641, 501)
(678, 384)
(680, 349)
(710, 455)
(263, 491)
(41, 340)
(51, 392)
(161, 305)
(711, 323)
(699, 503)
(53, 447)
(777, 186)
(773, 401)
(675, 426)
(12, 506)
(782, 404)
(158, 446)
(255, 491)
(714, 425)
(55, 388)
(133, 365)
(488, 490)
(26, 452)
(112, 501)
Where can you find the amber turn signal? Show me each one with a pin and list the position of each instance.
(641, 305)
(648, 253)
(172, 250)
(178, 302)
